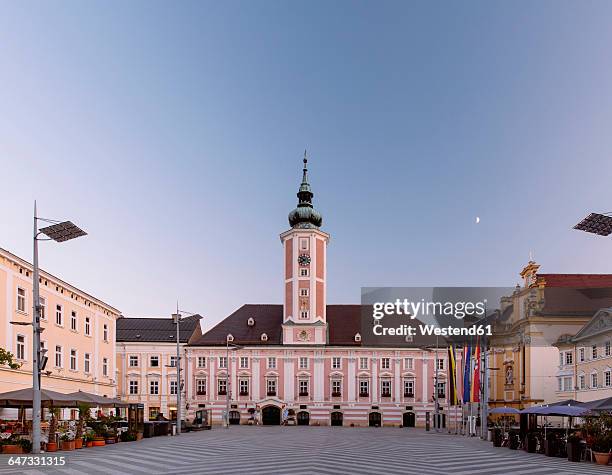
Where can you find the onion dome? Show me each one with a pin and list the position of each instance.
(305, 216)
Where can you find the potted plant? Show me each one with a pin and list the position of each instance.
(26, 445)
(601, 448)
(89, 439)
(110, 437)
(513, 440)
(78, 438)
(599, 436)
(67, 441)
(51, 444)
(574, 449)
(128, 436)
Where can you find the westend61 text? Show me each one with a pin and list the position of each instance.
(408, 330)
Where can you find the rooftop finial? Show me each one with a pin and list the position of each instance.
(304, 215)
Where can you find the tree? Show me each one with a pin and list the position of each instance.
(6, 358)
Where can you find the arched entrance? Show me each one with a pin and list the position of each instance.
(408, 419)
(303, 418)
(375, 419)
(336, 418)
(271, 416)
(234, 418)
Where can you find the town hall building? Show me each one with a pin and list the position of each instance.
(305, 357)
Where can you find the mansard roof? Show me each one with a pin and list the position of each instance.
(344, 322)
(157, 329)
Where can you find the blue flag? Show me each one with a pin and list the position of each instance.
(467, 371)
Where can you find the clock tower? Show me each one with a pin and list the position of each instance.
(305, 248)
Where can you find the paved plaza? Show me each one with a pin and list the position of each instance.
(310, 450)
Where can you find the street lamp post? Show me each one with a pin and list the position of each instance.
(58, 231)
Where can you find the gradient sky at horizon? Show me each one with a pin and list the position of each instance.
(173, 133)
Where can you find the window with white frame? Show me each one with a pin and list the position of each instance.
(582, 381)
(408, 388)
(303, 244)
(303, 362)
(271, 386)
(222, 361)
(173, 361)
(244, 362)
(594, 352)
(303, 292)
(385, 363)
(363, 362)
(20, 347)
(59, 319)
(303, 386)
(271, 362)
(304, 314)
(173, 387)
(133, 386)
(73, 321)
(58, 356)
(385, 388)
(336, 362)
(607, 378)
(21, 299)
(607, 348)
(408, 363)
(104, 366)
(86, 363)
(440, 364)
(154, 388)
(567, 383)
(336, 388)
(154, 361)
(569, 358)
(222, 386)
(133, 361)
(87, 326)
(201, 361)
(594, 381)
(364, 388)
(43, 307)
(201, 386)
(105, 332)
(73, 359)
(243, 385)
(303, 272)
(581, 354)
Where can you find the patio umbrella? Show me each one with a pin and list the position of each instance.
(604, 404)
(96, 400)
(566, 411)
(48, 398)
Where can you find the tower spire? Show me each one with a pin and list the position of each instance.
(305, 215)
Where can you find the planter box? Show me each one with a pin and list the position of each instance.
(51, 447)
(602, 458)
(99, 442)
(78, 443)
(12, 449)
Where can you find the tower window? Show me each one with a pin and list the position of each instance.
(303, 272)
(304, 314)
(304, 292)
(303, 244)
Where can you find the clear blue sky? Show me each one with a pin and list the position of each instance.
(173, 133)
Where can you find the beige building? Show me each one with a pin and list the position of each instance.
(523, 355)
(78, 332)
(585, 360)
(146, 362)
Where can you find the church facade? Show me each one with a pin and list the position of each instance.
(305, 357)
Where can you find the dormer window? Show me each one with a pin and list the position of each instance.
(230, 337)
(357, 337)
(251, 321)
(264, 337)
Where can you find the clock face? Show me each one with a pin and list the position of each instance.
(304, 259)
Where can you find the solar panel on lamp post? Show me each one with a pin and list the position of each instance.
(58, 232)
(596, 223)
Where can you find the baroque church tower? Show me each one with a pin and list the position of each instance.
(305, 245)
